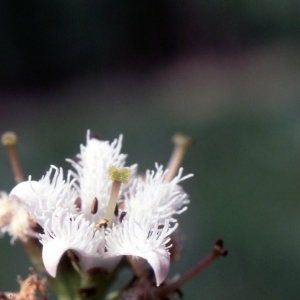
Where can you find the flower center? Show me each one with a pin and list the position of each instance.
(118, 176)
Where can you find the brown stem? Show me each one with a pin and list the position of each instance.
(16, 167)
(213, 255)
(9, 140)
(34, 250)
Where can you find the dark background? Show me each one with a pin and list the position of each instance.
(225, 72)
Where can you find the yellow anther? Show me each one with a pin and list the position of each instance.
(120, 175)
(8, 138)
(102, 223)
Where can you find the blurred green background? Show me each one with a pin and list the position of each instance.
(226, 73)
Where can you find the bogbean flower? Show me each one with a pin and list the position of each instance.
(103, 210)
(15, 220)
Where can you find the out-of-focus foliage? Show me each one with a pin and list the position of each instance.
(43, 42)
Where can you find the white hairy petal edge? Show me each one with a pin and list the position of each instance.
(69, 232)
(141, 237)
(41, 198)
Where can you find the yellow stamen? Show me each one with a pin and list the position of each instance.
(118, 176)
(181, 143)
(122, 175)
(9, 140)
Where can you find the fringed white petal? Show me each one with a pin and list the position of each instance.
(71, 233)
(42, 197)
(156, 197)
(91, 173)
(141, 236)
(160, 263)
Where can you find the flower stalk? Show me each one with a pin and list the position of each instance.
(181, 144)
(171, 287)
(30, 243)
(9, 140)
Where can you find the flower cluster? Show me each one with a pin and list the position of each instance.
(104, 210)
(98, 213)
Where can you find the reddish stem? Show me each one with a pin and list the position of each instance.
(213, 255)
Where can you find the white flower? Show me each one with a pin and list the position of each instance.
(141, 236)
(14, 219)
(43, 197)
(156, 197)
(91, 174)
(140, 226)
(74, 233)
